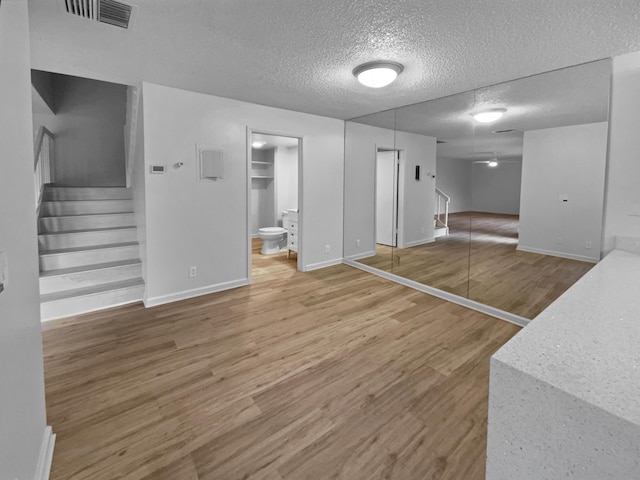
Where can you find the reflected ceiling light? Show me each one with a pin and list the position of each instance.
(258, 144)
(377, 74)
(493, 163)
(489, 116)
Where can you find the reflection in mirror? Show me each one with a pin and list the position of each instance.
(370, 190)
(537, 187)
(506, 213)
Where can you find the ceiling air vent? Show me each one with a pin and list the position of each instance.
(440, 141)
(114, 13)
(508, 130)
(111, 12)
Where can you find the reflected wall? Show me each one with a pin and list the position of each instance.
(507, 213)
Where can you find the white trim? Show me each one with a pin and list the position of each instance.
(582, 258)
(358, 256)
(415, 243)
(328, 263)
(46, 455)
(196, 292)
(450, 297)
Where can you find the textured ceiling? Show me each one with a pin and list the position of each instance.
(569, 96)
(299, 54)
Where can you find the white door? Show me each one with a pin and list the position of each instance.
(386, 197)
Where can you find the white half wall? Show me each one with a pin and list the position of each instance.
(563, 161)
(496, 189)
(22, 404)
(622, 197)
(203, 223)
(453, 177)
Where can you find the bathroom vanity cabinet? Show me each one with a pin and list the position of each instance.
(292, 232)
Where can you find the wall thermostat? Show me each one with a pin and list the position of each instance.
(158, 168)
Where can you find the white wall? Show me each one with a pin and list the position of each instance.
(89, 128)
(361, 144)
(416, 197)
(286, 180)
(453, 177)
(22, 406)
(622, 198)
(204, 223)
(565, 160)
(496, 189)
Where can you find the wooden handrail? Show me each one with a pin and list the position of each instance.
(42, 131)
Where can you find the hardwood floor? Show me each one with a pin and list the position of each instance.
(498, 275)
(332, 374)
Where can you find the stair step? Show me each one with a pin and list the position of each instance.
(85, 207)
(86, 222)
(86, 193)
(89, 275)
(73, 239)
(87, 299)
(83, 256)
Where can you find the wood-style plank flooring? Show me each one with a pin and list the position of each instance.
(498, 275)
(332, 374)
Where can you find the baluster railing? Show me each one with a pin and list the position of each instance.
(440, 198)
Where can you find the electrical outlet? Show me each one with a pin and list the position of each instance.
(358, 243)
(587, 244)
(193, 271)
(327, 248)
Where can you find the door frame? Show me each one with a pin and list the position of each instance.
(397, 192)
(275, 133)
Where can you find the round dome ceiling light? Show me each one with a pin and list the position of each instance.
(493, 163)
(377, 74)
(489, 116)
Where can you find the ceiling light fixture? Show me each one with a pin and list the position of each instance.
(489, 116)
(258, 144)
(377, 74)
(493, 163)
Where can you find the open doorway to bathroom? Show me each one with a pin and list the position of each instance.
(274, 206)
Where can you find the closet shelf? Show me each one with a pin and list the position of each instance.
(257, 162)
(261, 176)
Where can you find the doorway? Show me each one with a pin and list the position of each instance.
(274, 170)
(387, 174)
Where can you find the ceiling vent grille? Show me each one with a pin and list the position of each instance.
(111, 12)
(508, 130)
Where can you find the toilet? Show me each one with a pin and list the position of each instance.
(272, 238)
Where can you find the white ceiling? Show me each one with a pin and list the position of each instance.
(570, 96)
(299, 54)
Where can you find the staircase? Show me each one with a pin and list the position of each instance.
(440, 220)
(89, 252)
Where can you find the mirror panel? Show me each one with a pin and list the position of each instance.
(537, 214)
(364, 138)
(517, 234)
(433, 231)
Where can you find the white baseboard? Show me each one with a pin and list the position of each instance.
(582, 258)
(358, 256)
(196, 292)
(450, 297)
(317, 266)
(415, 243)
(46, 455)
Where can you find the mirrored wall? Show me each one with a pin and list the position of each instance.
(505, 212)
